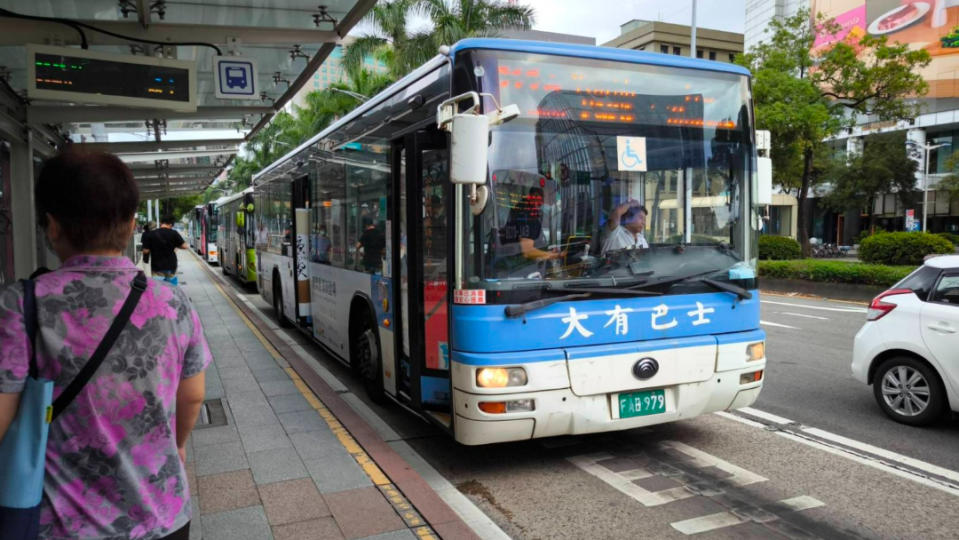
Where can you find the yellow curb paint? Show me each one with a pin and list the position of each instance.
(424, 532)
(370, 467)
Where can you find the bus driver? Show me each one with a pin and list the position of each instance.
(626, 224)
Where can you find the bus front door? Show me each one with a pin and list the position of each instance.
(422, 234)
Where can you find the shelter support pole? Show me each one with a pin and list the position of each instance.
(22, 206)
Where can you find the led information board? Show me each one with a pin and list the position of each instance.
(83, 76)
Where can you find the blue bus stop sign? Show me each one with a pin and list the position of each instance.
(235, 77)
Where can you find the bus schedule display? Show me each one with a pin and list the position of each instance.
(561, 92)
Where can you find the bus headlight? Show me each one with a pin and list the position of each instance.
(500, 377)
(755, 351)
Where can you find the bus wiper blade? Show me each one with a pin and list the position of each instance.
(606, 290)
(728, 287)
(518, 310)
(669, 280)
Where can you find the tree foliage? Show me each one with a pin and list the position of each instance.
(449, 22)
(804, 98)
(950, 182)
(883, 166)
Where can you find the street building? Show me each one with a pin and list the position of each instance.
(931, 138)
(668, 38)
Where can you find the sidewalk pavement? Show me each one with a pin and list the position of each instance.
(269, 459)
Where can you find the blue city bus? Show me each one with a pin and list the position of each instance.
(469, 240)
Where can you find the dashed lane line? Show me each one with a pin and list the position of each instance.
(803, 315)
(778, 325)
(822, 308)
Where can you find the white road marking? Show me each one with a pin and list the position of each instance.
(721, 520)
(622, 481)
(892, 457)
(767, 323)
(824, 308)
(905, 460)
(740, 476)
(711, 522)
(802, 502)
(766, 416)
(804, 316)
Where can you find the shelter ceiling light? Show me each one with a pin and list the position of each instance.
(278, 78)
(323, 17)
(296, 52)
(130, 6)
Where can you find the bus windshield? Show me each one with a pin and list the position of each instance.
(612, 173)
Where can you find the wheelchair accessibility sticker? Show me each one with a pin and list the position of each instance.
(631, 153)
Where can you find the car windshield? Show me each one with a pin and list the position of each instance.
(612, 172)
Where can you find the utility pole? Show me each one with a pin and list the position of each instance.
(692, 35)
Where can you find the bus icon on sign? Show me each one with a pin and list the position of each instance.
(235, 77)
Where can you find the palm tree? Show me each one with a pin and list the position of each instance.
(389, 20)
(451, 21)
(454, 20)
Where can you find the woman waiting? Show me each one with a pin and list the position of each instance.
(115, 457)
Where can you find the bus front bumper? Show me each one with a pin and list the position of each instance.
(562, 412)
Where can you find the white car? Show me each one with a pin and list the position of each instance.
(908, 350)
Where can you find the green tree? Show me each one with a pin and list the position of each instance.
(803, 98)
(884, 166)
(450, 21)
(950, 182)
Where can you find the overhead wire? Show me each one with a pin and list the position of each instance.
(79, 26)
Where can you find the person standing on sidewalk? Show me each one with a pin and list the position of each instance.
(160, 246)
(115, 459)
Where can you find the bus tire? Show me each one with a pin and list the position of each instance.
(366, 357)
(281, 319)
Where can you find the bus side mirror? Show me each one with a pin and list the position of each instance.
(763, 192)
(469, 149)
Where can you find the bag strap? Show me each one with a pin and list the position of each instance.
(67, 396)
(30, 322)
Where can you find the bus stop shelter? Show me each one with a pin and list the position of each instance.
(171, 152)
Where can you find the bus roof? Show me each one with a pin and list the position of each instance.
(595, 52)
(232, 197)
(540, 47)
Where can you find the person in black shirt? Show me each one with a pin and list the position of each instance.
(161, 245)
(373, 242)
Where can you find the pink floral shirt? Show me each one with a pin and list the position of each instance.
(112, 469)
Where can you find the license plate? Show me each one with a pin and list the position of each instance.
(642, 403)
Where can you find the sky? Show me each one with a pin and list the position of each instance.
(601, 18)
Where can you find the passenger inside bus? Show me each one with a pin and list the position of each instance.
(372, 242)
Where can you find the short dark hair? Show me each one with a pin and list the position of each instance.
(92, 195)
(632, 211)
(167, 219)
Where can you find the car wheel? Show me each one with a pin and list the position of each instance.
(909, 391)
(367, 359)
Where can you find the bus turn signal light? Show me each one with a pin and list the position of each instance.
(747, 378)
(501, 407)
(493, 407)
(500, 377)
(755, 351)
